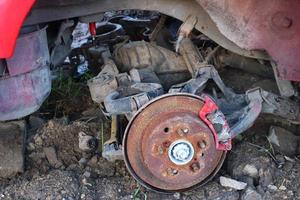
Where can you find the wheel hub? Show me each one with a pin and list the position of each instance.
(168, 147)
(181, 152)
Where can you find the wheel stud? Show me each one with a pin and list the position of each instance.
(183, 131)
(172, 172)
(202, 144)
(195, 167)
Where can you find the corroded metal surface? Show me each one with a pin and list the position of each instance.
(155, 128)
(272, 25)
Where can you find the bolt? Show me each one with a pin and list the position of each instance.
(195, 167)
(171, 171)
(202, 144)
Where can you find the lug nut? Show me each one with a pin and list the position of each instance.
(172, 172)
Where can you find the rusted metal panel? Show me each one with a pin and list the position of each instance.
(271, 25)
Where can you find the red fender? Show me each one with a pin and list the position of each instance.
(12, 15)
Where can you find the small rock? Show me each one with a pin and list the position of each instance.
(51, 156)
(272, 187)
(251, 194)
(282, 187)
(177, 195)
(285, 141)
(85, 182)
(231, 183)
(82, 161)
(93, 161)
(35, 122)
(87, 174)
(30, 146)
(50, 124)
(250, 170)
(63, 120)
(38, 140)
(265, 177)
(87, 143)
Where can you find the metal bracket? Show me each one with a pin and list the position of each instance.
(185, 29)
(217, 123)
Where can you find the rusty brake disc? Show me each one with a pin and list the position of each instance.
(167, 147)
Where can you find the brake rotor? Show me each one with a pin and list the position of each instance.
(167, 146)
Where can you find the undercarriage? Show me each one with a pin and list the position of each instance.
(173, 119)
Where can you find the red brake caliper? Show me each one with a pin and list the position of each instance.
(216, 121)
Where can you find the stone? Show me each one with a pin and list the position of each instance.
(82, 162)
(38, 140)
(284, 141)
(265, 177)
(51, 156)
(87, 143)
(12, 148)
(87, 174)
(250, 170)
(177, 195)
(272, 187)
(93, 161)
(30, 146)
(282, 187)
(251, 194)
(231, 183)
(35, 122)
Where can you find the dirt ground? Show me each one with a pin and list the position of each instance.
(57, 169)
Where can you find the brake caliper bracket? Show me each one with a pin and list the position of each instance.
(217, 123)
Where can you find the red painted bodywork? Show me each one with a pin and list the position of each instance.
(272, 25)
(12, 15)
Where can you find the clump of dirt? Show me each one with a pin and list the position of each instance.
(64, 139)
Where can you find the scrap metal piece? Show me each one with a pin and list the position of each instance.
(62, 43)
(167, 147)
(106, 81)
(141, 54)
(191, 56)
(285, 87)
(185, 29)
(225, 58)
(116, 104)
(197, 84)
(111, 150)
(12, 139)
(216, 121)
(284, 141)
